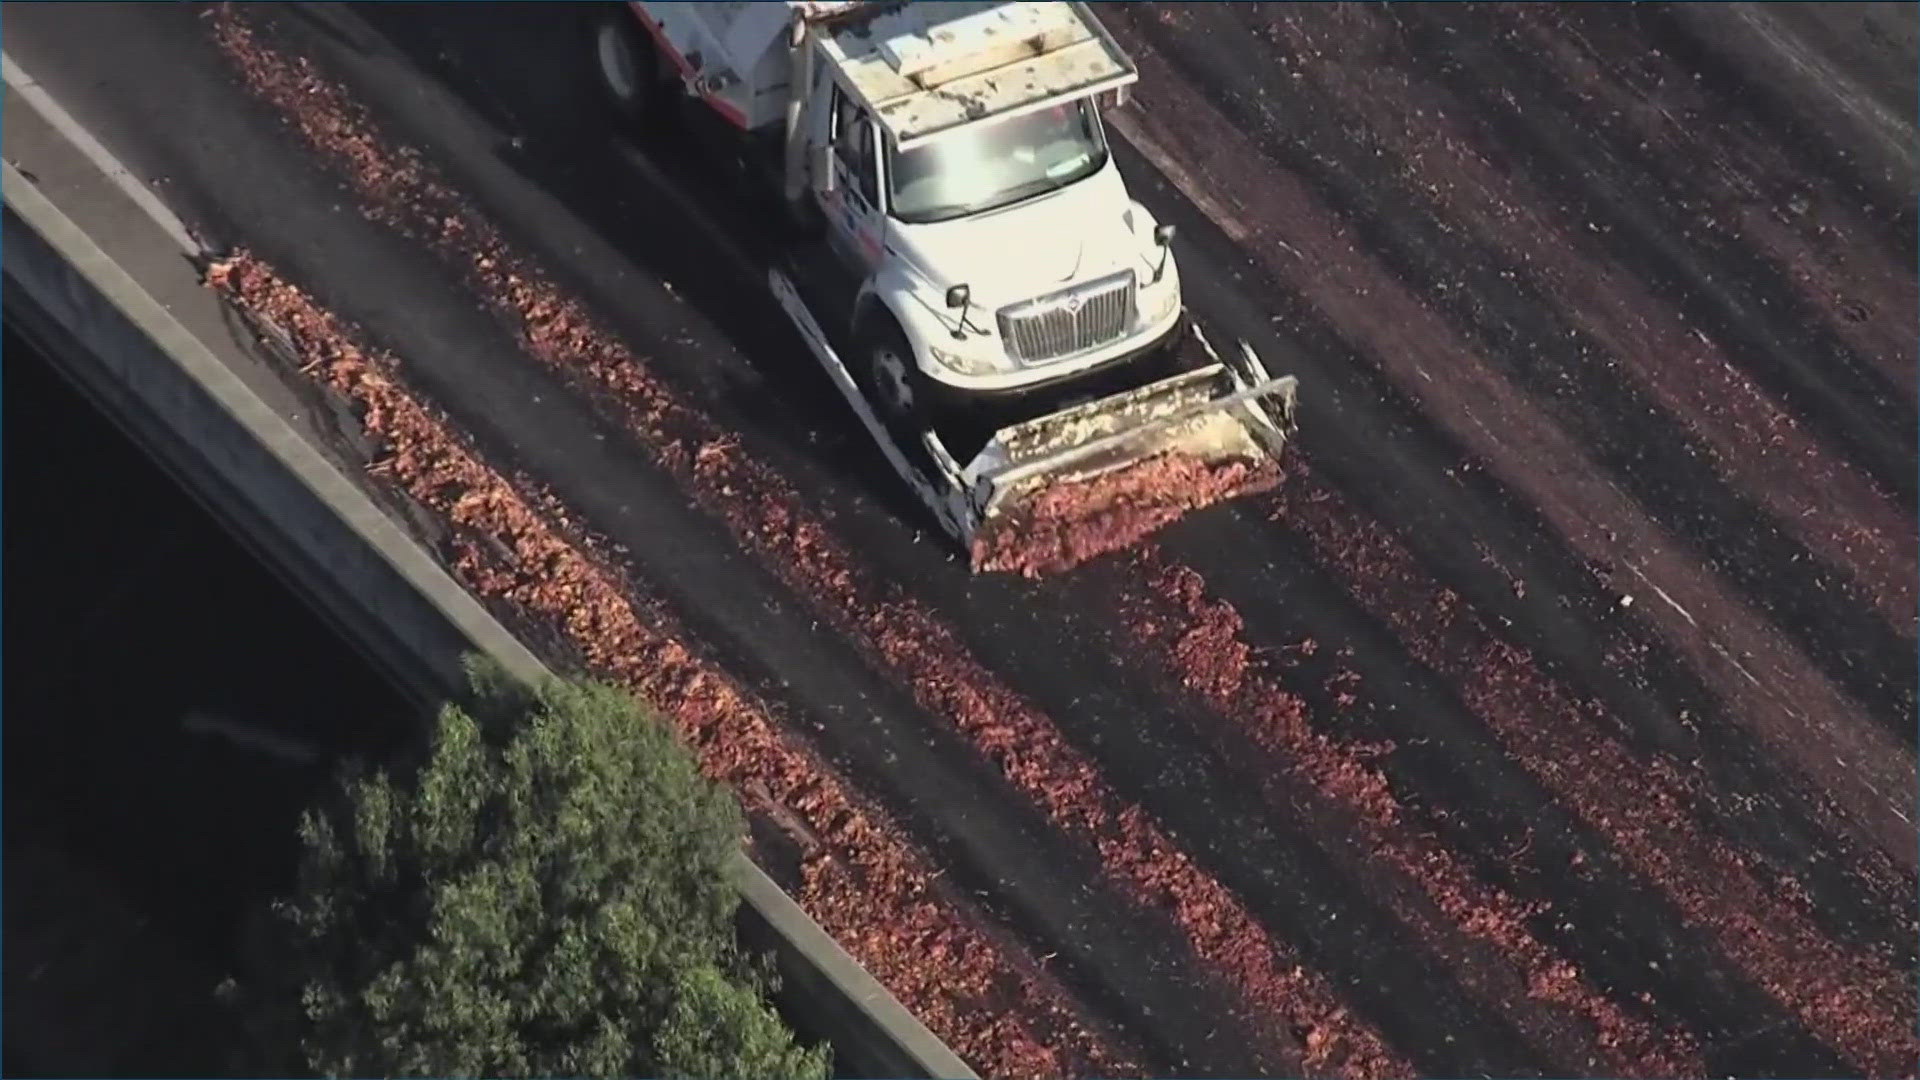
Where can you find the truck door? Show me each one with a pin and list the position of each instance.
(853, 208)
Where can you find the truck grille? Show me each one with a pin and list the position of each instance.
(1071, 321)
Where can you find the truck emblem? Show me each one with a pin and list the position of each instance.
(1072, 304)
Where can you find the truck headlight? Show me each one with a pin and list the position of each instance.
(962, 363)
(1169, 299)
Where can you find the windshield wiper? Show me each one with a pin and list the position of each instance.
(943, 212)
(950, 211)
(1039, 185)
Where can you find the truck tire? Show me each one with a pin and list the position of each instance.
(626, 66)
(899, 393)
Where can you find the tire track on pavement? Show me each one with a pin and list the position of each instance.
(1197, 642)
(1505, 559)
(1765, 681)
(1459, 786)
(1633, 444)
(1737, 297)
(1855, 1001)
(1753, 441)
(1842, 264)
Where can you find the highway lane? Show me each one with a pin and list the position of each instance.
(1306, 871)
(1482, 535)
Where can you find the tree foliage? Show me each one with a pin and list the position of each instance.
(544, 895)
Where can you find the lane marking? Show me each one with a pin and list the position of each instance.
(37, 98)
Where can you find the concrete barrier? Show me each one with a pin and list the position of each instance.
(178, 393)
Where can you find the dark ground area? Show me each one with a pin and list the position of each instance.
(129, 608)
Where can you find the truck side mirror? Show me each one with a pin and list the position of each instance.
(958, 297)
(1163, 235)
(823, 179)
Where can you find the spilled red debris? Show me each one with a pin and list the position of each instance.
(1804, 970)
(1852, 1000)
(1201, 643)
(863, 882)
(1801, 716)
(770, 518)
(1065, 525)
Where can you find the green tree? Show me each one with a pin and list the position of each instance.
(545, 895)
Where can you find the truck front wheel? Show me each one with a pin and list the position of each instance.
(626, 65)
(893, 380)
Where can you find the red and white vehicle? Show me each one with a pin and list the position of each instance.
(966, 247)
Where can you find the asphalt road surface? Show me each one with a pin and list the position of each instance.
(1554, 717)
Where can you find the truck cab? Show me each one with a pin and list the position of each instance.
(952, 159)
(961, 167)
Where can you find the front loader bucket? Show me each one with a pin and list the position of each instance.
(1053, 492)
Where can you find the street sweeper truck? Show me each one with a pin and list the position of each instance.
(962, 255)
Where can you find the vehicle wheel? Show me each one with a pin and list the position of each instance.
(898, 390)
(626, 66)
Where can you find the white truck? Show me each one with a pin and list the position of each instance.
(965, 259)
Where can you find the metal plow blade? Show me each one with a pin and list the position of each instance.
(1056, 491)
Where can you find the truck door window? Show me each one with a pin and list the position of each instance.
(854, 142)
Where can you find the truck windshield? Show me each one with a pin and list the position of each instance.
(994, 165)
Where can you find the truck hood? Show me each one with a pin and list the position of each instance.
(1031, 249)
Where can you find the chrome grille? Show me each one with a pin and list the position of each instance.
(1071, 321)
